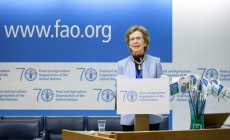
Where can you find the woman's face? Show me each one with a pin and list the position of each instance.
(137, 43)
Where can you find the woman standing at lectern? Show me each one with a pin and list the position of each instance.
(139, 65)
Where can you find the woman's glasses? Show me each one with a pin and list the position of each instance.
(138, 38)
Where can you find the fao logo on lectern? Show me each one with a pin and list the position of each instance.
(132, 96)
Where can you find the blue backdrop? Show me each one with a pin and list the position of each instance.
(80, 31)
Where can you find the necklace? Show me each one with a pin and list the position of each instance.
(139, 63)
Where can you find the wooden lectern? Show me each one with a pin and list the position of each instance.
(142, 97)
(141, 122)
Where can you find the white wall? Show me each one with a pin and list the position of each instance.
(201, 39)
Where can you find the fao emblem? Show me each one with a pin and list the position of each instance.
(30, 74)
(132, 96)
(91, 74)
(107, 95)
(47, 95)
(211, 73)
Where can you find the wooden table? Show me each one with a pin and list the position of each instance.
(82, 135)
(204, 134)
